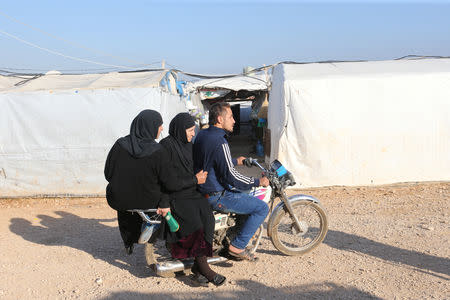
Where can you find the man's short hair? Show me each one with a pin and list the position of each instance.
(216, 110)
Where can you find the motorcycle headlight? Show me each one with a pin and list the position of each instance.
(277, 167)
(283, 174)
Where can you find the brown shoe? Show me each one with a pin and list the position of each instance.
(244, 255)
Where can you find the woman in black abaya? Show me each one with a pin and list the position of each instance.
(188, 206)
(135, 169)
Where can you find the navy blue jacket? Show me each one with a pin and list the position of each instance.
(212, 154)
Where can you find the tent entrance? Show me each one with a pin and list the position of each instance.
(248, 96)
(250, 130)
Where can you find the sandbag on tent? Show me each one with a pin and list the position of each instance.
(56, 130)
(362, 123)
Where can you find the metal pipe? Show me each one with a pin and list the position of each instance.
(178, 265)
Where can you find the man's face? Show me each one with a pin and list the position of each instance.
(227, 120)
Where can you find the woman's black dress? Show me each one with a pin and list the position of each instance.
(136, 168)
(136, 183)
(188, 206)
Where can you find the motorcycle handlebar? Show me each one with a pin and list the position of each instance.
(249, 162)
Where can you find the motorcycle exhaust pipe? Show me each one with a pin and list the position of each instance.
(178, 265)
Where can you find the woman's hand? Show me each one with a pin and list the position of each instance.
(201, 177)
(162, 211)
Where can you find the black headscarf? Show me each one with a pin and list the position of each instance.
(178, 139)
(144, 129)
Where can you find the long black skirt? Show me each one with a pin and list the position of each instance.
(192, 212)
(129, 226)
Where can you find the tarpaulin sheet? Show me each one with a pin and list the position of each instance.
(362, 123)
(56, 142)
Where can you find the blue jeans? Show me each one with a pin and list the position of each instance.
(242, 204)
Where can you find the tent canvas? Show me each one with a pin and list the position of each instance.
(56, 130)
(362, 123)
(55, 81)
(252, 82)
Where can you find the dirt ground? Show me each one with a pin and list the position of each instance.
(384, 242)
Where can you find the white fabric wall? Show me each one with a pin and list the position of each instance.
(56, 143)
(362, 123)
(64, 82)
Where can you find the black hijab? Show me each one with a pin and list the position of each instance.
(144, 129)
(178, 139)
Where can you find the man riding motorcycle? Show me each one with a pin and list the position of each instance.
(224, 184)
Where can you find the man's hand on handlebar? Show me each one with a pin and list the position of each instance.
(162, 211)
(201, 177)
(240, 160)
(247, 162)
(263, 181)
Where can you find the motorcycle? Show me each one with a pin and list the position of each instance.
(297, 224)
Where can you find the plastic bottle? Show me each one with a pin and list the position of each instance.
(173, 224)
(259, 149)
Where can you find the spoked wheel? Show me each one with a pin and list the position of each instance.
(314, 226)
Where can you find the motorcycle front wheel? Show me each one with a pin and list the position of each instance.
(313, 227)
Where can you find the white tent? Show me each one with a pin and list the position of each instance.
(56, 130)
(362, 123)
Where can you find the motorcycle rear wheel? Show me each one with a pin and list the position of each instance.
(284, 234)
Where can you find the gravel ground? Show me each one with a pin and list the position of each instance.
(384, 242)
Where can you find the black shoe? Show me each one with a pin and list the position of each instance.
(218, 280)
(199, 280)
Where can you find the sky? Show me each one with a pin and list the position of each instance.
(214, 37)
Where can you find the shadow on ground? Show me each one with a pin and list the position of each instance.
(88, 235)
(251, 289)
(103, 242)
(421, 261)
